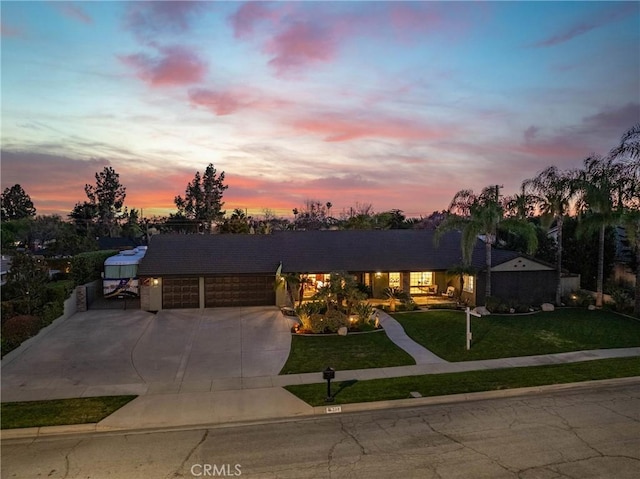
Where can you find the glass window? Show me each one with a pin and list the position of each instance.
(468, 283)
(120, 271)
(419, 280)
(394, 280)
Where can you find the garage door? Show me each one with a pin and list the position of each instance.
(239, 291)
(180, 293)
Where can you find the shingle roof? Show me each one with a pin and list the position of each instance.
(308, 251)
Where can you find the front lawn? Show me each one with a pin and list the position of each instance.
(466, 382)
(314, 353)
(563, 330)
(60, 411)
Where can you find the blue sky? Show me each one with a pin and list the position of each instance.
(395, 104)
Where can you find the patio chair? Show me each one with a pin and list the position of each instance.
(450, 292)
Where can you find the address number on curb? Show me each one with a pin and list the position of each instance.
(334, 409)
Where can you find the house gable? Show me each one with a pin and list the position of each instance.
(521, 263)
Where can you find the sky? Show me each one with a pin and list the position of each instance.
(398, 105)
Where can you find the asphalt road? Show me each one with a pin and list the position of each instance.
(580, 433)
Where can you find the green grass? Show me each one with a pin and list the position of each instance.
(467, 382)
(571, 329)
(60, 411)
(355, 351)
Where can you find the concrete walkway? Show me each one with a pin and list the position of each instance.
(396, 333)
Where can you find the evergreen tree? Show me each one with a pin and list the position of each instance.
(203, 198)
(16, 204)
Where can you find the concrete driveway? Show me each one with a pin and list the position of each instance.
(113, 352)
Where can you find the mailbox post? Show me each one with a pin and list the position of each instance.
(329, 374)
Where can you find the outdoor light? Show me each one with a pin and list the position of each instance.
(378, 274)
(156, 281)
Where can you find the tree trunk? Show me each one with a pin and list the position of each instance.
(559, 263)
(487, 286)
(599, 279)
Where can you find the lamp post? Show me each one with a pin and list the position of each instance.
(328, 374)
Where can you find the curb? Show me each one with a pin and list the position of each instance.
(53, 432)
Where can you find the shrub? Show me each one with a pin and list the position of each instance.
(305, 312)
(14, 307)
(579, 298)
(334, 320)
(17, 329)
(86, 267)
(363, 311)
(497, 305)
(316, 324)
(622, 299)
(52, 311)
(58, 291)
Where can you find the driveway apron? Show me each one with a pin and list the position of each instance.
(202, 345)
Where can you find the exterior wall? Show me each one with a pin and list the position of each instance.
(440, 278)
(379, 282)
(201, 297)
(405, 278)
(570, 284)
(526, 287)
(281, 295)
(150, 294)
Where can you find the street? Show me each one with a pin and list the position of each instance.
(583, 433)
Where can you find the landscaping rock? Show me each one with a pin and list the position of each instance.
(342, 331)
(481, 310)
(547, 307)
(591, 307)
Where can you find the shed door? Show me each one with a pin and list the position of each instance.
(239, 291)
(180, 293)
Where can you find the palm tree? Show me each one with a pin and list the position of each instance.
(291, 283)
(629, 146)
(521, 205)
(482, 214)
(630, 220)
(600, 191)
(553, 191)
(629, 153)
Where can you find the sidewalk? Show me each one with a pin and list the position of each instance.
(255, 399)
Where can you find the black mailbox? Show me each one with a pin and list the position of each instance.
(328, 374)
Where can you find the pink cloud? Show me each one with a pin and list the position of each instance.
(74, 11)
(174, 66)
(297, 35)
(413, 17)
(248, 15)
(219, 103)
(301, 44)
(232, 100)
(600, 19)
(338, 127)
(7, 31)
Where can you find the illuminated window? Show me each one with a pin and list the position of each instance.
(469, 283)
(394, 280)
(419, 282)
